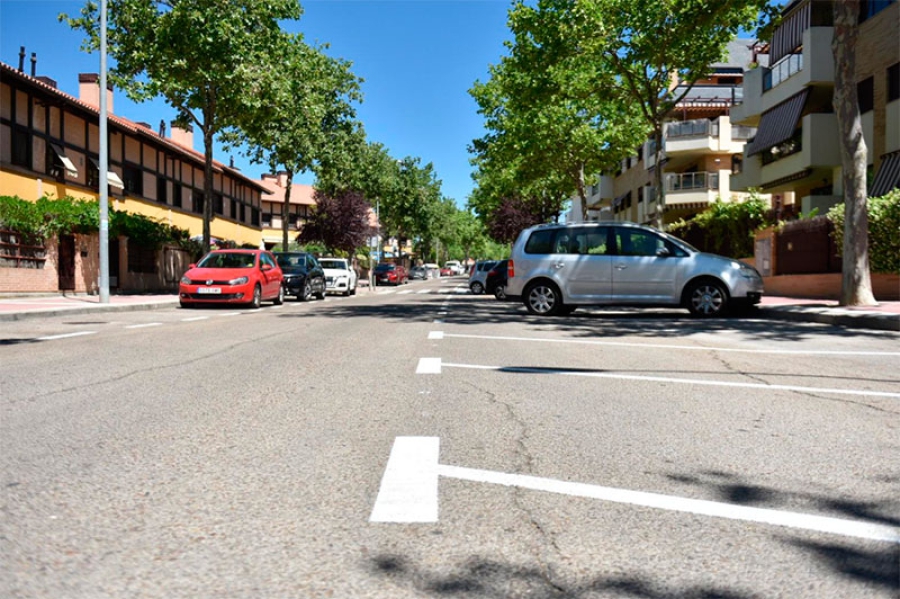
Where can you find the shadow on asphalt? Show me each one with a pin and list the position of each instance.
(657, 323)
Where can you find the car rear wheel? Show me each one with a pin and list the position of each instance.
(257, 297)
(477, 288)
(500, 292)
(543, 299)
(707, 299)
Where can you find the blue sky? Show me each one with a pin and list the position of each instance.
(418, 58)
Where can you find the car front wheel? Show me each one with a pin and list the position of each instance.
(279, 299)
(257, 297)
(307, 291)
(707, 299)
(543, 299)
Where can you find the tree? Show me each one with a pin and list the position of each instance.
(307, 115)
(340, 222)
(856, 283)
(207, 59)
(408, 210)
(511, 217)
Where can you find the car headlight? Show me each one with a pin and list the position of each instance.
(239, 281)
(746, 271)
(185, 280)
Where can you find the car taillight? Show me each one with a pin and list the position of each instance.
(510, 270)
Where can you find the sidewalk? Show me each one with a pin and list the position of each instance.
(884, 317)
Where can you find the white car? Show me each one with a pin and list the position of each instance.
(339, 276)
(454, 266)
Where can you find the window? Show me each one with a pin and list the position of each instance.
(865, 91)
(58, 164)
(21, 147)
(893, 82)
(234, 208)
(176, 195)
(243, 213)
(161, 190)
(540, 242)
(197, 201)
(218, 203)
(870, 8)
(637, 242)
(93, 174)
(133, 178)
(254, 216)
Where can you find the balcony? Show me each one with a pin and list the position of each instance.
(702, 136)
(809, 156)
(784, 70)
(691, 188)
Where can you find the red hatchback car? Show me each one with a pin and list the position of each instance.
(390, 274)
(232, 277)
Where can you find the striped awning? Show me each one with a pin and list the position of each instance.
(888, 176)
(777, 124)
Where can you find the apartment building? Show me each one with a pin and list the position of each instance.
(701, 146)
(49, 146)
(796, 152)
(302, 203)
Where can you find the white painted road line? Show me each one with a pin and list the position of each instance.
(409, 487)
(195, 319)
(423, 291)
(680, 381)
(436, 335)
(408, 291)
(144, 326)
(230, 314)
(78, 334)
(678, 347)
(429, 366)
(837, 526)
(409, 493)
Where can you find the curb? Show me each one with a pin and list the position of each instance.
(13, 316)
(878, 322)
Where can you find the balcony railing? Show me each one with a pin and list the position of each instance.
(742, 132)
(786, 68)
(689, 181)
(784, 149)
(695, 128)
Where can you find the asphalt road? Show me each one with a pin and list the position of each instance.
(422, 442)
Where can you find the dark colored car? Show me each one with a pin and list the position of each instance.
(495, 280)
(391, 274)
(303, 276)
(232, 277)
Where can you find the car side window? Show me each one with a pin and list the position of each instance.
(540, 242)
(266, 259)
(637, 242)
(594, 241)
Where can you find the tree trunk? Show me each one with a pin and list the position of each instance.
(658, 177)
(856, 282)
(582, 193)
(286, 210)
(207, 183)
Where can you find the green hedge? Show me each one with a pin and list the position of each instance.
(47, 217)
(726, 228)
(884, 231)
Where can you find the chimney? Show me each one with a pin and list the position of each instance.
(33, 63)
(162, 128)
(183, 137)
(47, 81)
(282, 179)
(21, 59)
(89, 91)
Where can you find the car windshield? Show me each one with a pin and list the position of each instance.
(338, 264)
(384, 267)
(289, 262)
(228, 260)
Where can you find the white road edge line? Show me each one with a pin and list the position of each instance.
(679, 347)
(837, 526)
(661, 379)
(429, 366)
(409, 493)
(144, 326)
(409, 487)
(195, 318)
(66, 335)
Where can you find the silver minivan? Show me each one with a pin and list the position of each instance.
(555, 268)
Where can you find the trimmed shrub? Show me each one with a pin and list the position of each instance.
(884, 231)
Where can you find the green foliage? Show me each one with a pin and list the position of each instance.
(49, 217)
(884, 231)
(726, 228)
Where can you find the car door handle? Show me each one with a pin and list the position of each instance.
(559, 265)
(621, 266)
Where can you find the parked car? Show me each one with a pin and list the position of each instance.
(391, 274)
(478, 274)
(303, 276)
(495, 280)
(555, 268)
(418, 272)
(232, 277)
(454, 266)
(447, 272)
(339, 276)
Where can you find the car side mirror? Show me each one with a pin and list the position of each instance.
(663, 253)
(265, 268)
(192, 265)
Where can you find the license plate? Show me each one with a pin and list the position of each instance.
(210, 290)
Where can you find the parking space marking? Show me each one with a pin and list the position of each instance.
(409, 486)
(436, 335)
(663, 379)
(144, 326)
(429, 366)
(678, 347)
(420, 292)
(66, 335)
(195, 318)
(230, 314)
(409, 493)
(407, 291)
